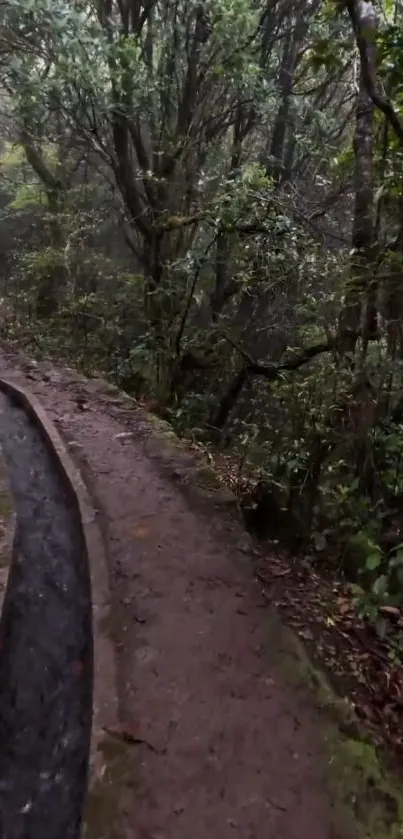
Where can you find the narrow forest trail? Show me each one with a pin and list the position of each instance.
(220, 745)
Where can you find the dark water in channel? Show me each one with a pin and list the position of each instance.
(45, 648)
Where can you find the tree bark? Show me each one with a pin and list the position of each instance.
(359, 11)
(229, 399)
(361, 284)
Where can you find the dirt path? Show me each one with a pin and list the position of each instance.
(224, 748)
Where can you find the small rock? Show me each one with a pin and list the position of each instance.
(245, 545)
(82, 405)
(123, 435)
(176, 473)
(126, 601)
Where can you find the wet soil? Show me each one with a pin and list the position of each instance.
(222, 747)
(45, 648)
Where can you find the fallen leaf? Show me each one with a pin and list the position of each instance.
(127, 733)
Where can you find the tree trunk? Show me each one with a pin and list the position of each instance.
(281, 123)
(229, 400)
(361, 287)
(52, 283)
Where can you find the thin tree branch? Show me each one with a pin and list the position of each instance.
(271, 372)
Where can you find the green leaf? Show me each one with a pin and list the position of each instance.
(380, 587)
(373, 561)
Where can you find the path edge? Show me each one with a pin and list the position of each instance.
(105, 695)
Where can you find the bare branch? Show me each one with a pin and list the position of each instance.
(271, 372)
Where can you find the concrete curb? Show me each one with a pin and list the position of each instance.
(105, 700)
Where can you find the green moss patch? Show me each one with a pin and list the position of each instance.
(188, 468)
(111, 791)
(367, 798)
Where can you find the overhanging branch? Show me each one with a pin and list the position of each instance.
(37, 163)
(271, 372)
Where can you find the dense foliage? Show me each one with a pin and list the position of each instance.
(204, 200)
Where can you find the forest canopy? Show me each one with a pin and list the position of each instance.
(203, 200)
